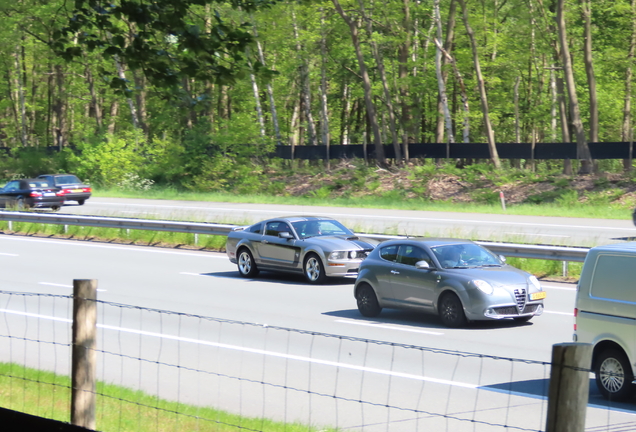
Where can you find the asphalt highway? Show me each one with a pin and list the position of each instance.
(277, 347)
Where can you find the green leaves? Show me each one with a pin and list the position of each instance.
(167, 39)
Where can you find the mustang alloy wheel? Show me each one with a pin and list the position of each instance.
(314, 270)
(246, 265)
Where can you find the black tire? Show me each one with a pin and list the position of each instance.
(614, 375)
(367, 301)
(451, 311)
(20, 204)
(245, 263)
(81, 202)
(314, 270)
(55, 208)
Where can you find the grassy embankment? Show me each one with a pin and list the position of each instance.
(48, 395)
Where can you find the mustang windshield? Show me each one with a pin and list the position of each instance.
(313, 228)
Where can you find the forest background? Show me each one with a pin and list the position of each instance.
(194, 94)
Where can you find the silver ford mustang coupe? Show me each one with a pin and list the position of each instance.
(316, 247)
(458, 280)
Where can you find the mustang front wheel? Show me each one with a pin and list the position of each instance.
(246, 265)
(314, 270)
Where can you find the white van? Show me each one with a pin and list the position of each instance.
(605, 316)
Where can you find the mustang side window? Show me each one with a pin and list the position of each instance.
(410, 255)
(389, 253)
(255, 228)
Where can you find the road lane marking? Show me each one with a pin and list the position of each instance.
(139, 248)
(56, 285)
(65, 286)
(390, 327)
(537, 235)
(559, 313)
(9, 254)
(235, 210)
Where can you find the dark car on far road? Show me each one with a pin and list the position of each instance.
(30, 193)
(71, 187)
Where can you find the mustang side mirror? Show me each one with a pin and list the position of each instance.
(502, 258)
(285, 235)
(422, 265)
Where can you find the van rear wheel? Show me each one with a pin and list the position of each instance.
(614, 375)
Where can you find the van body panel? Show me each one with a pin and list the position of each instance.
(606, 299)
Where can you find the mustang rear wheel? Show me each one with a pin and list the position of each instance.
(314, 270)
(367, 301)
(614, 375)
(451, 311)
(246, 265)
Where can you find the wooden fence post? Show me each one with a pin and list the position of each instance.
(569, 387)
(84, 356)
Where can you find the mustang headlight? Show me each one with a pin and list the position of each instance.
(338, 255)
(483, 286)
(534, 281)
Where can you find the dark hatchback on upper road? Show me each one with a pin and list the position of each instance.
(71, 187)
(30, 193)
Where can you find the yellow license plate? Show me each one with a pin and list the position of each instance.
(538, 295)
(77, 190)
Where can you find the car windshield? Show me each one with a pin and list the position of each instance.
(67, 179)
(313, 228)
(465, 256)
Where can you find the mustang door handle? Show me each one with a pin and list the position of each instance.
(395, 272)
(264, 241)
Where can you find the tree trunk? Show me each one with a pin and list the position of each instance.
(95, 107)
(385, 86)
(368, 98)
(448, 43)
(270, 91)
(403, 71)
(627, 134)
(114, 111)
(589, 71)
(61, 127)
(257, 98)
(304, 83)
(494, 156)
(20, 97)
(140, 97)
(324, 124)
(441, 79)
(131, 103)
(581, 143)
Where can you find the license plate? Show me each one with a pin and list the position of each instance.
(49, 194)
(77, 190)
(538, 295)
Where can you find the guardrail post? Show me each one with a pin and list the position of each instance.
(566, 267)
(84, 355)
(569, 387)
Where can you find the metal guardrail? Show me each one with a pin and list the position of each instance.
(556, 253)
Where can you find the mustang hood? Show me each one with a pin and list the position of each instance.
(343, 242)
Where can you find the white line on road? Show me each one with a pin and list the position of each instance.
(65, 286)
(8, 254)
(390, 327)
(537, 235)
(558, 288)
(559, 313)
(138, 248)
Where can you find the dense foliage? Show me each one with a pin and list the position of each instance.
(192, 92)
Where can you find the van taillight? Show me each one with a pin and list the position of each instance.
(576, 313)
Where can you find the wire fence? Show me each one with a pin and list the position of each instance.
(167, 371)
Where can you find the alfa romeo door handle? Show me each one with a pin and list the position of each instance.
(395, 272)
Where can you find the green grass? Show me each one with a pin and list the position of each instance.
(563, 209)
(121, 409)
